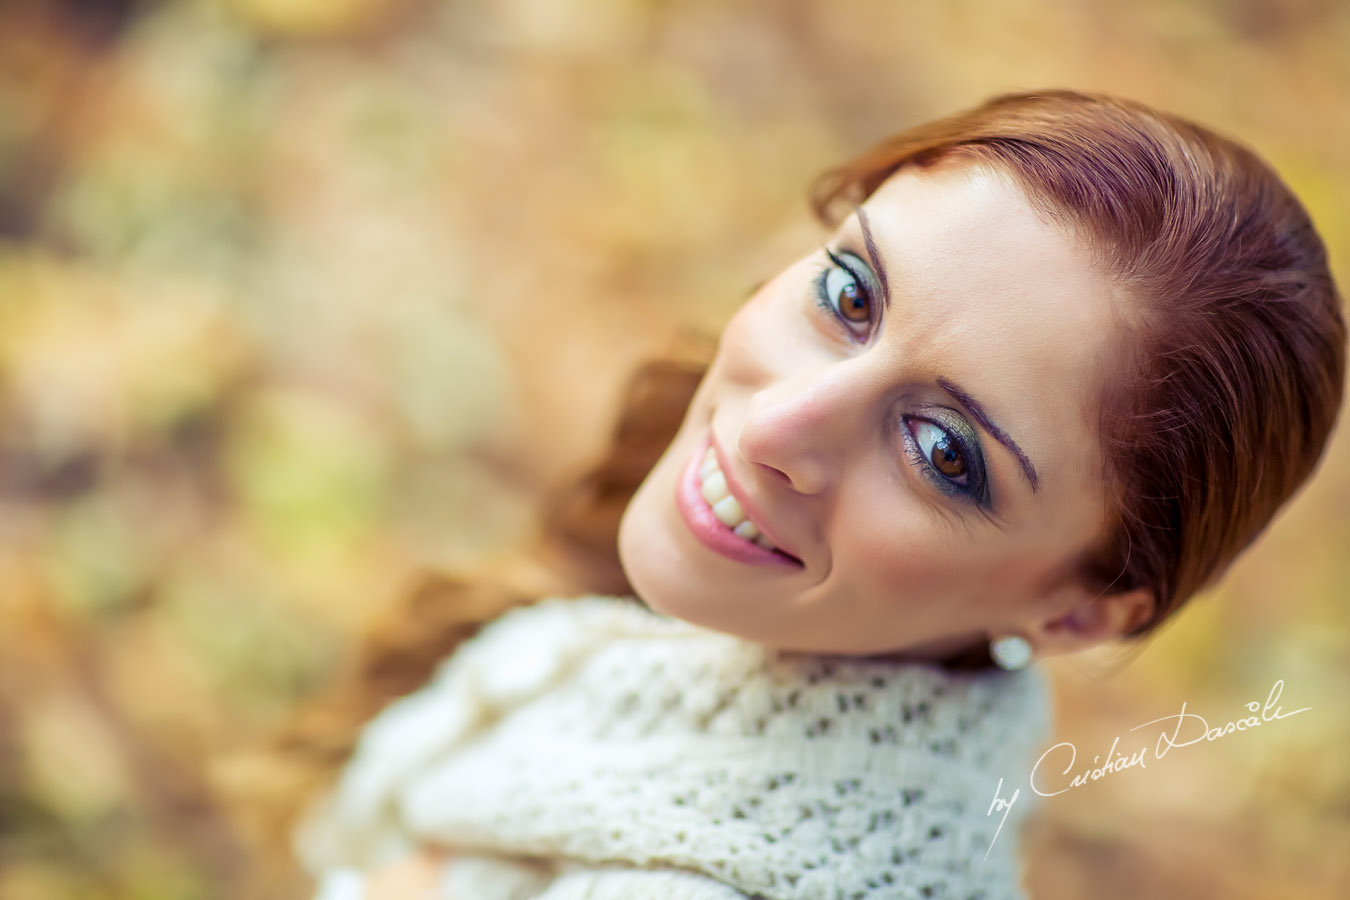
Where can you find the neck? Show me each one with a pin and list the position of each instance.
(966, 652)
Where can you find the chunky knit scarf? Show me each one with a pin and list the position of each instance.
(592, 748)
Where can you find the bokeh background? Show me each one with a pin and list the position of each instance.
(300, 298)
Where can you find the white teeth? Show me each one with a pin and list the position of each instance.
(724, 506)
(747, 530)
(715, 487)
(728, 511)
(709, 466)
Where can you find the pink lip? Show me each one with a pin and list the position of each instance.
(698, 515)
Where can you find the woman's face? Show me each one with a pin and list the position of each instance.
(908, 416)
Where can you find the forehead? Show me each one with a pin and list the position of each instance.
(990, 294)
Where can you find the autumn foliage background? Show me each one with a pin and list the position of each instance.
(302, 298)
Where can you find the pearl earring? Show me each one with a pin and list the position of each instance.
(1010, 651)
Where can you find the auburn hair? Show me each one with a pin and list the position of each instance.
(1232, 364)
(1225, 391)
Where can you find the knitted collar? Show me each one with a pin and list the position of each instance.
(595, 729)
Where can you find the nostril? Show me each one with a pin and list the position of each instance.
(777, 473)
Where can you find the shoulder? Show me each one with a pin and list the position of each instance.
(515, 657)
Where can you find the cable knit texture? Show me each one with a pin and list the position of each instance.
(587, 748)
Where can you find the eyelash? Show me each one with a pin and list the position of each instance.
(971, 494)
(825, 303)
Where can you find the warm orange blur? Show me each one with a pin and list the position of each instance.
(301, 297)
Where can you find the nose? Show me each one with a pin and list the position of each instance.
(799, 429)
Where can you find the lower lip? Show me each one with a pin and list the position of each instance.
(698, 515)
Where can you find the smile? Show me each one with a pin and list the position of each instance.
(717, 517)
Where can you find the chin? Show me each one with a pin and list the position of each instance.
(667, 582)
(658, 568)
(641, 544)
(668, 570)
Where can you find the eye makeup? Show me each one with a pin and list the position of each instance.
(848, 272)
(839, 287)
(955, 433)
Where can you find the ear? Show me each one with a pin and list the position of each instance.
(1092, 619)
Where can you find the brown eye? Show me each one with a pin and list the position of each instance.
(948, 460)
(848, 297)
(945, 453)
(854, 304)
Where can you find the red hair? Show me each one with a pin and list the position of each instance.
(1229, 384)
(1234, 353)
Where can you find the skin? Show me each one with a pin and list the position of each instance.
(985, 292)
(413, 878)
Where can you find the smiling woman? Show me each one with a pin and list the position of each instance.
(1063, 360)
(839, 432)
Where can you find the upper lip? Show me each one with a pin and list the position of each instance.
(748, 507)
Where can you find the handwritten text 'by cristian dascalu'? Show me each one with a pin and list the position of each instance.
(1049, 776)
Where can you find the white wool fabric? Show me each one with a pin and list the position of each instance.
(587, 748)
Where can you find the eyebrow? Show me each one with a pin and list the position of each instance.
(875, 256)
(999, 434)
(961, 396)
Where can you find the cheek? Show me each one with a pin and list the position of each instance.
(886, 538)
(769, 337)
(911, 560)
(899, 548)
(744, 353)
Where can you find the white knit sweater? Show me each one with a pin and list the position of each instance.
(591, 748)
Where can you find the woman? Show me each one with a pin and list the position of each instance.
(1062, 361)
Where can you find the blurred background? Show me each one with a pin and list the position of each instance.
(300, 298)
